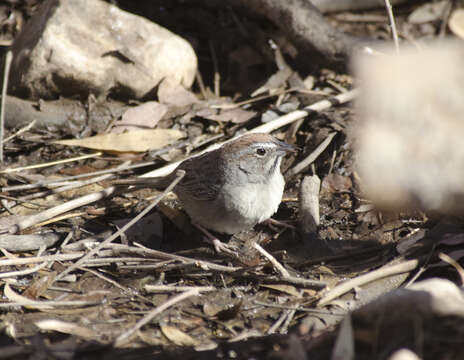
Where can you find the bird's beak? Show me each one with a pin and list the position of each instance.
(286, 148)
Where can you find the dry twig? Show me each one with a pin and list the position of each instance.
(384, 271)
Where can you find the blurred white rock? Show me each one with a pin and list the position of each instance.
(410, 133)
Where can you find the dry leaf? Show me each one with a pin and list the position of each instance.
(428, 12)
(336, 183)
(211, 309)
(39, 286)
(146, 115)
(275, 82)
(177, 337)
(236, 116)
(175, 94)
(66, 328)
(28, 303)
(132, 141)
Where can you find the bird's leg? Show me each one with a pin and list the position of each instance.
(219, 246)
(273, 224)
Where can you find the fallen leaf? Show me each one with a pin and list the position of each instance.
(132, 141)
(145, 115)
(177, 336)
(39, 286)
(66, 328)
(336, 183)
(13, 296)
(236, 116)
(275, 82)
(174, 94)
(427, 12)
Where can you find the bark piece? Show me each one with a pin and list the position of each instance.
(309, 204)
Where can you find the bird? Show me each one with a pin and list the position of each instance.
(229, 189)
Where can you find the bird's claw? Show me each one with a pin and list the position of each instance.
(219, 246)
(274, 224)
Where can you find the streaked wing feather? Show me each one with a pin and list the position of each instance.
(203, 178)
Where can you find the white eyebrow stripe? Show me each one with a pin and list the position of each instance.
(264, 145)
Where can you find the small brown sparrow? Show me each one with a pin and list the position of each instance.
(232, 188)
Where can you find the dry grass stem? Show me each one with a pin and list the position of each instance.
(11, 274)
(272, 260)
(51, 163)
(39, 259)
(175, 288)
(6, 75)
(391, 18)
(60, 209)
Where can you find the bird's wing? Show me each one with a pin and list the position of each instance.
(203, 177)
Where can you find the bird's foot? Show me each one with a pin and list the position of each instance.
(274, 224)
(219, 246)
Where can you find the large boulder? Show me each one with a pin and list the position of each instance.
(90, 46)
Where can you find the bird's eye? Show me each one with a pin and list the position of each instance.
(261, 151)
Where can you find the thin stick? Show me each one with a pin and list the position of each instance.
(200, 83)
(392, 25)
(39, 259)
(81, 261)
(90, 174)
(279, 322)
(22, 272)
(51, 163)
(302, 309)
(60, 209)
(144, 251)
(122, 339)
(272, 260)
(385, 271)
(6, 74)
(448, 259)
(175, 288)
(20, 131)
(278, 92)
(47, 304)
(217, 76)
(311, 157)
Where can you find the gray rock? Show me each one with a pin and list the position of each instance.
(89, 46)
